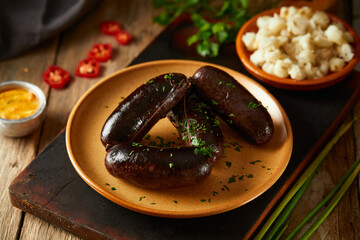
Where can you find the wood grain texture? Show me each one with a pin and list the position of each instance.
(344, 219)
(16, 153)
(73, 46)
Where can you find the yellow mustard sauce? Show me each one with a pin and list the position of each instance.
(18, 103)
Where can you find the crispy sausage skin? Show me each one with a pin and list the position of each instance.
(233, 103)
(153, 167)
(157, 168)
(139, 112)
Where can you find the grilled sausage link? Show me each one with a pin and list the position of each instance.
(154, 167)
(234, 104)
(144, 107)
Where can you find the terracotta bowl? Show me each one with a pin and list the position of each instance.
(288, 83)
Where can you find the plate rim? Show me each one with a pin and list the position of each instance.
(168, 213)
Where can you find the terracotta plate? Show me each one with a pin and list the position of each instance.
(288, 83)
(253, 169)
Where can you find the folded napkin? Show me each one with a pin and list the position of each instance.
(24, 23)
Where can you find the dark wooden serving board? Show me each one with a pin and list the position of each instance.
(51, 189)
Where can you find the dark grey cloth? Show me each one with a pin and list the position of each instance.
(25, 23)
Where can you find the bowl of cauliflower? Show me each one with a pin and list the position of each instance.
(298, 48)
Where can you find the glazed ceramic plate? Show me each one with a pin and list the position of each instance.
(288, 83)
(245, 171)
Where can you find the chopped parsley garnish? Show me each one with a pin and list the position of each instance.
(230, 84)
(113, 188)
(152, 143)
(214, 102)
(238, 148)
(231, 115)
(232, 179)
(253, 105)
(147, 137)
(135, 144)
(226, 187)
(216, 122)
(202, 200)
(234, 143)
(250, 176)
(241, 178)
(152, 203)
(141, 198)
(107, 184)
(196, 142)
(253, 162)
(168, 76)
(228, 164)
(161, 141)
(131, 152)
(163, 88)
(175, 201)
(171, 154)
(214, 193)
(106, 106)
(150, 81)
(171, 165)
(220, 82)
(204, 151)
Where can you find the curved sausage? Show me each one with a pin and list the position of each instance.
(154, 167)
(197, 125)
(234, 104)
(144, 107)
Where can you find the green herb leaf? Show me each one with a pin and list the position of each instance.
(232, 179)
(253, 105)
(220, 32)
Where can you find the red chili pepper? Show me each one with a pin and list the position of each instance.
(88, 68)
(123, 37)
(56, 77)
(110, 27)
(100, 52)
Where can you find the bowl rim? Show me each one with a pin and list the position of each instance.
(288, 83)
(14, 84)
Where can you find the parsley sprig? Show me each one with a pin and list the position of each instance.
(229, 17)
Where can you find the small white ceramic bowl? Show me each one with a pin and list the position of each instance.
(24, 126)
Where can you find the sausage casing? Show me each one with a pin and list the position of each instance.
(154, 167)
(234, 104)
(139, 112)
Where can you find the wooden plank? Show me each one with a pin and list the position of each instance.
(75, 44)
(345, 218)
(16, 153)
(79, 39)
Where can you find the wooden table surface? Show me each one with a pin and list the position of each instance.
(71, 46)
